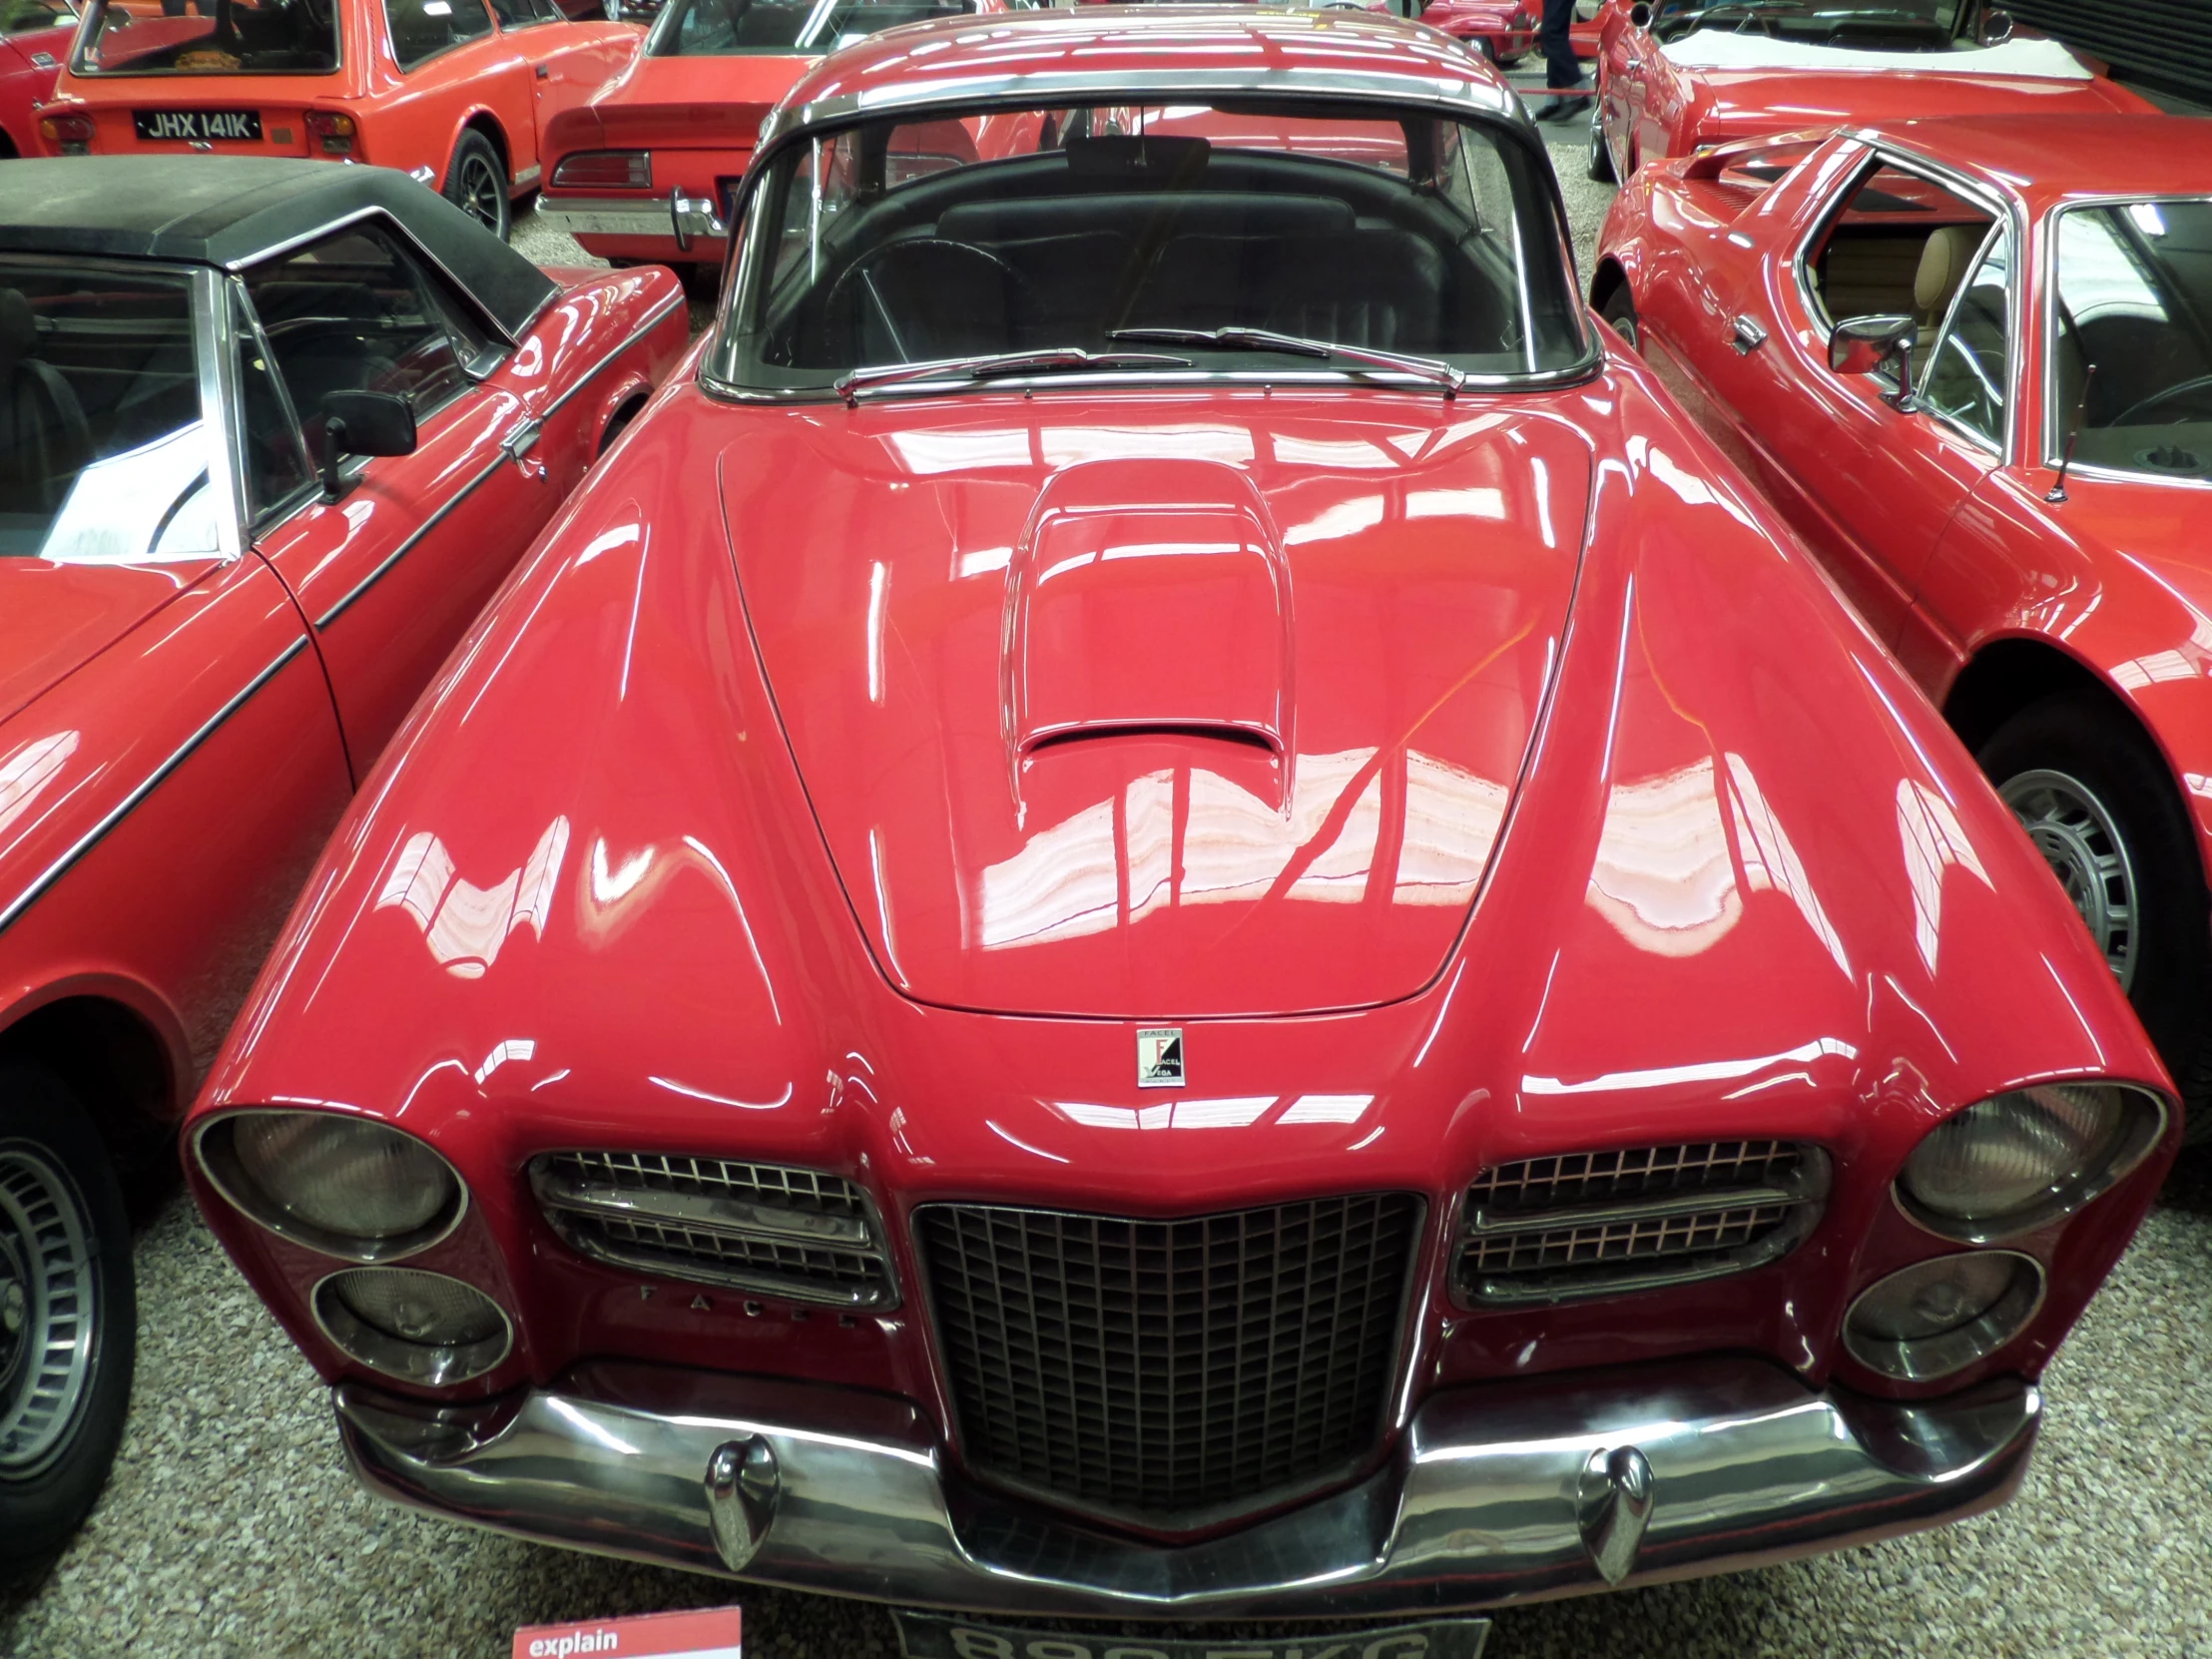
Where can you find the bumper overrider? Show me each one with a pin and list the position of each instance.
(1495, 1492)
(686, 219)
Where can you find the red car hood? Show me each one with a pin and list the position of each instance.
(1746, 103)
(1147, 710)
(55, 617)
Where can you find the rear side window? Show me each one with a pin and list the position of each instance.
(237, 37)
(422, 29)
(1897, 245)
(359, 311)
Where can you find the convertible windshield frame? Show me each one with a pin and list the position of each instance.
(1497, 116)
(2053, 435)
(93, 16)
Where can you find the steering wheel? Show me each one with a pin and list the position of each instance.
(2199, 386)
(933, 298)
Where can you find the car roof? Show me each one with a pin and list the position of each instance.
(231, 211)
(1123, 54)
(2045, 159)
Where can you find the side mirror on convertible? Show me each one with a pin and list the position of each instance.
(1869, 344)
(362, 423)
(1996, 27)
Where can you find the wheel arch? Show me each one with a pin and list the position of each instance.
(130, 1074)
(482, 120)
(2005, 674)
(1608, 280)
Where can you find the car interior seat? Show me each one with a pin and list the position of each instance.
(1945, 260)
(45, 440)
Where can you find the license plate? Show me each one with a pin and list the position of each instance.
(937, 1636)
(200, 126)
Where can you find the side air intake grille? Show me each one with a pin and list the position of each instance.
(795, 1233)
(1602, 1222)
(1170, 1371)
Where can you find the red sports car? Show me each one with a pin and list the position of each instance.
(647, 168)
(1683, 75)
(1163, 905)
(1905, 335)
(457, 93)
(1504, 30)
(214, 608)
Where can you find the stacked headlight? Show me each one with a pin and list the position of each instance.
(1941, 1315)
(423, 1327)
(2018, 1161)
(345, 1186)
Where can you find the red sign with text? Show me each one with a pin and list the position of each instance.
(710, 1636)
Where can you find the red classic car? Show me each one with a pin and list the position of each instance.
(213, 611)
(33, 42)
(1504, 30)
(1905, 333)
(646, 169)
(455, 91)
(1688, 74)
(1165, 907)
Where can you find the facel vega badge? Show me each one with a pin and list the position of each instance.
(1160, 1057)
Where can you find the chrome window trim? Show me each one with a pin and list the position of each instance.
(2002, 208)
(331, 228)
(2001, 229)
(491, 32)
(277, 512)
(2052, 444)
(85, 32)
(1476, 105)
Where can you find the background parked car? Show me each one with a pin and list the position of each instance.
(455, 91)
(33, 38)
(2044, 283)
(203, 648)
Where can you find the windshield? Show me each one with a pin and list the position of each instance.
(731, 28)
(212, 36)
(2134, 336)
(102, 453)
(1120, 229)
(1865, 25)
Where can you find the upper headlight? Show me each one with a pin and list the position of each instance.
(348, 1187)
(2019, 1160)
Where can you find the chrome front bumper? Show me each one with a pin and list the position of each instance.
(1496, 1492)
(683, 218)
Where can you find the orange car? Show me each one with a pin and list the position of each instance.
(455, 91)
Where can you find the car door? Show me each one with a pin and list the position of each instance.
(569, 60)
(455, 61)
(1869, 476)
(391, 572)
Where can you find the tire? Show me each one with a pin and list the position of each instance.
(1601, 159)
(2099, 802)
(476, 184)
(59, 1194)
(1620, 310)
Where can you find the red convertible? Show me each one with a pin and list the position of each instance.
(1164, 905)
(646, 170)
(1972, 362)
(275, 431)
(1683, 75)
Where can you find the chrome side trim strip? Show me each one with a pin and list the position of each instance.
(414, 537)
(1730, 1462)
(122, 810)
(659, 316)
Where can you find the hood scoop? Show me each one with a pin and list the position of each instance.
(1171, 618)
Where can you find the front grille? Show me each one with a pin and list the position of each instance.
(1603, 1223)
(1170, 1371)
(798, 1233)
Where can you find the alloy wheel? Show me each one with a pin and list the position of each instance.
(2076, 836)
(47, 1311)
(480, 191)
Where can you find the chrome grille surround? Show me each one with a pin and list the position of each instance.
(1584, 1224)
(1171, 1373)
(770, 1229)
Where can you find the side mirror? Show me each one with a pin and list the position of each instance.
(1868, 344)
(1639, 15)
(1996, 27)
(362, 423)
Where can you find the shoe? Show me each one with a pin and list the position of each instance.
(1560, 108)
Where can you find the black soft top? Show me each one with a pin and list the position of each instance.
(231, 211)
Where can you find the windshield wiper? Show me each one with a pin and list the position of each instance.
(1431, 370)
(850, 386)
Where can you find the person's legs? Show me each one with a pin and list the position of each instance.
(1560, 68)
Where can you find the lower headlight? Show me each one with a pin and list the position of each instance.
(420, 1327)
(345, 1186)
(1941, 1315)
(2017, 1161)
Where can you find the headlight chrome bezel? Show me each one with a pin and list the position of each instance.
(2146, 1114)
(432, 1366)
(1947, 1353)
(216, 1156)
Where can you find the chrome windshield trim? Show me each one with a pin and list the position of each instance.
(214, 342)
(1333, 379)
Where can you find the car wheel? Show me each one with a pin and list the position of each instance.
(2099, 804)
(1620, 310)
(68, 1314)
(1601, 159)
(476, 184)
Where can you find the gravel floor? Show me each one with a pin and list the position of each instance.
(230, 1527)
